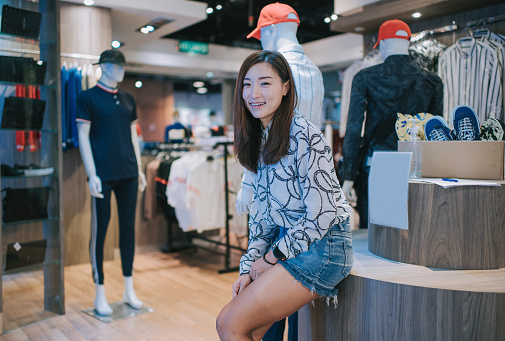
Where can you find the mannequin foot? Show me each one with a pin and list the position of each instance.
(129, 296)
(101, 306)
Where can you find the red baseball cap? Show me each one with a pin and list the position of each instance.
(273, 14)
(389, 29)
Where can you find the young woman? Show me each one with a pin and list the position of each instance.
(300, 244)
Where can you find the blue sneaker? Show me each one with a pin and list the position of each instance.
(436, 129)
(466, 123)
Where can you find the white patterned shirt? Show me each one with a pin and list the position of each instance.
(300, 193)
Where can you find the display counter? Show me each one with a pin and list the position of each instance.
(388, 297)
(451, 228)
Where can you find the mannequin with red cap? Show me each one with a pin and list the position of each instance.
(108, 143)
(382, 91)
(276, 29)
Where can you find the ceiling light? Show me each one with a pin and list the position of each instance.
(359, 28)
(89, 2)
(219, 7)
(198, 84)
(327, 20)
(145, 30)
(416, 15)
(334, 16)
(150, 28)
(210, 74)
(116, 44)
(202, 90)
(209, 10)
(138, 84)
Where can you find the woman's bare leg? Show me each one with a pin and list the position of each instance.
(271, 297)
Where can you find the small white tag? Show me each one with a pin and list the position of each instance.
(17, 246)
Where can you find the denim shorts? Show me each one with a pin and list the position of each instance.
(325, 263)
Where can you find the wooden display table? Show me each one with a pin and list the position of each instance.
(453, 228)
(387, 300)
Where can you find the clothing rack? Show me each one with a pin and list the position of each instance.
(482, 22)
(427, 33)
(227, 245)
(171, 246)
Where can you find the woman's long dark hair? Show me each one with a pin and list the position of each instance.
(248, 130)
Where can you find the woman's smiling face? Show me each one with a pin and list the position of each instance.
(262, 92)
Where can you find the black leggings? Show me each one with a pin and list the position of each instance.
(126, 199)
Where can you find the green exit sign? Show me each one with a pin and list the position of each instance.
(193, 47)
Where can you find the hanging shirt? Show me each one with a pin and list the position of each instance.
(371, 59)
(470, 72)
(308, 83)
(382, 91)
(300, 193)
(110, 114)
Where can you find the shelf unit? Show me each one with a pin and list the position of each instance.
(46, 48)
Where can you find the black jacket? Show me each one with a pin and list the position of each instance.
(396, 86)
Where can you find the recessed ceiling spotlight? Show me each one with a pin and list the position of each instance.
(209, 10)
(116, 44)
(145, 30)
(150, 28)
(416, 15)
(327, 20)
(202, 90)
(138, 84)
(198, 84)
(210, 74)
(334, 16)
(89, 2)
(219, 7)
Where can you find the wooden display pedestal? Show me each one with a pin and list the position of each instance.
(450, 228)
(387, 297)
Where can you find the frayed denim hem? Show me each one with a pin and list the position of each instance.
(300, 276)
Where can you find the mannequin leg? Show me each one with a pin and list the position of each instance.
(100, 303)
(100, 216)
(129, 294)
(126, 198)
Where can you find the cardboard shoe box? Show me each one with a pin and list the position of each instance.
(482, 160)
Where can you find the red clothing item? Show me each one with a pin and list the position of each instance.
(30, 138)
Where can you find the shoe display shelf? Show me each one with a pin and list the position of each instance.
(19, 232)
(442, 279)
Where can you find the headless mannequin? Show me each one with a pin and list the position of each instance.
(112, 74)
(387, 47)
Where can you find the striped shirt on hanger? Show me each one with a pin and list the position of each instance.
(470, 72)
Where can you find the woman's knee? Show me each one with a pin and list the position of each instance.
(224, 325)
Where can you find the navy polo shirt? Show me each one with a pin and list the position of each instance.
(110, 114)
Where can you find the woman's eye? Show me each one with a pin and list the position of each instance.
(247, 84)
(265, 83)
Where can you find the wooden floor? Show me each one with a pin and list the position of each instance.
(184, 289)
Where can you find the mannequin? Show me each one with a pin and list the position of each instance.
(111, 156)
(276, 29)
(387, 47)
(381, 91)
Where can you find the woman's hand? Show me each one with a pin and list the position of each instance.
(260, 266)
(241, 283)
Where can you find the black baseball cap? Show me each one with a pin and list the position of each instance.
(112, 56)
